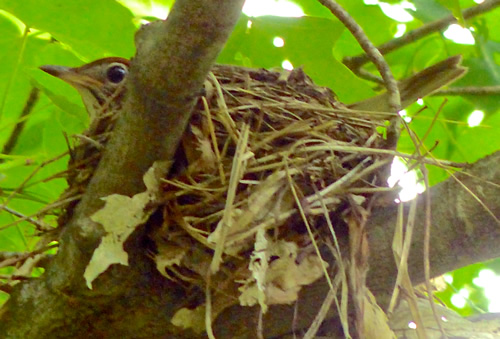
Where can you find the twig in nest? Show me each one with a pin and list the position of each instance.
(23, 184)
(394, 100)
(40, 225)
(57, 204)
(11, 258)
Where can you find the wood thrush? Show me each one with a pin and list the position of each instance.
(101, 84)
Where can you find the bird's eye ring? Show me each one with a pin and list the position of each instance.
(116, 73)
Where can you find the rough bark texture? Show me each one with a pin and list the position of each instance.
(136, 301)
(463, 232)
(125, 303)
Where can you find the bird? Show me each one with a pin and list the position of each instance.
(101, 84)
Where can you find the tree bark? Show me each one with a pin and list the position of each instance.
(166, 76)
(463, 232)
(136, 301)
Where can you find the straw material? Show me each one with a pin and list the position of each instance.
(268, 158)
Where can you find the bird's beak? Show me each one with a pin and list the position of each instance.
(71, 76)
(54, 70)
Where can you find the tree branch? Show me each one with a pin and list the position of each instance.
(469, 90)
(463, 232)
(355, 63)
(373, 54)
(137, 301)
(465, 226)
(28, 107)
(173, 59)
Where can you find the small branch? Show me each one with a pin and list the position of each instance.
(452, 91)
(355, 63)
(12, 258)
(469, 90)
(40, 225)
(393, 99)
(367, 75)
(28, 107)
(20, 187)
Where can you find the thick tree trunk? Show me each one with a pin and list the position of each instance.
(136, 301)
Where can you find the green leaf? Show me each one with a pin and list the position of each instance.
(253, 47)
(371, 19)
(455, 8)
(150, 10)
(482, 72)
(90, 27)
(75, 111)
(429, 10)
(441, 136)
(478, 142)
(314, 8)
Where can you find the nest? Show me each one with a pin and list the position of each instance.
(268, 162)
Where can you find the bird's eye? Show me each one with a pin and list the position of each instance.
(116, 73)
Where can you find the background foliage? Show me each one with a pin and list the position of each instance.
(37, 32)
